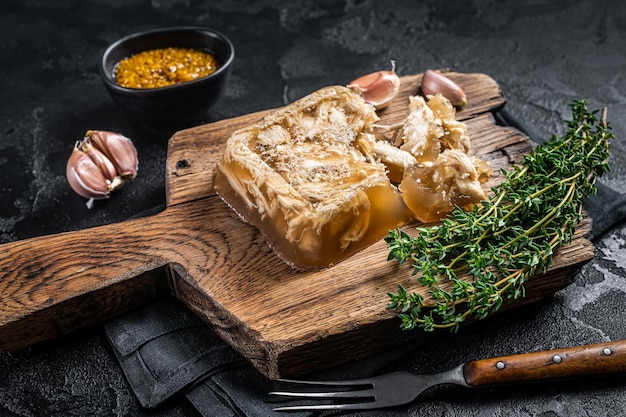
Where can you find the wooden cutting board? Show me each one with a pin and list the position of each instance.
(283, 321)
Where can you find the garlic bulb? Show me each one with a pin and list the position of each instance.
(101, 163)
(433, 83)
(378, 88)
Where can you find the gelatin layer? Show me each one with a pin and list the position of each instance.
(301, 178)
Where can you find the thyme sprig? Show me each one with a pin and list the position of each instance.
(506, 239)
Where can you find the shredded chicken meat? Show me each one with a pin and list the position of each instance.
(320, 182)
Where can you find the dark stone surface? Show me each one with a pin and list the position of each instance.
(543, 53)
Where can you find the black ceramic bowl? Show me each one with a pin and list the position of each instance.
(176, 106)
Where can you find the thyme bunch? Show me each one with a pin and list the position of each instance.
(506, 239)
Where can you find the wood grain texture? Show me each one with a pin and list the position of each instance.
(283, 321)
(597, 359)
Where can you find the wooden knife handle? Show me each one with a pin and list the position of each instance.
(597, 359)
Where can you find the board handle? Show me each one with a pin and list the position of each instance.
(52, 285)
(597, 359)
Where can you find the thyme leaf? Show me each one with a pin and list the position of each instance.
(506, 239)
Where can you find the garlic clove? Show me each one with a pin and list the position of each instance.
(433, 83)
(101, 163)
(118, 149)
(85, 176)
(378, 88)
(99, 159)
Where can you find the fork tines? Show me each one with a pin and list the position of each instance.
(354, 394)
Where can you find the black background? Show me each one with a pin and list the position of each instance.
(544, 54)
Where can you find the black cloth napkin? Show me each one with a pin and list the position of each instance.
(165, 351)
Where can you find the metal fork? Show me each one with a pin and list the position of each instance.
(399, 388)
